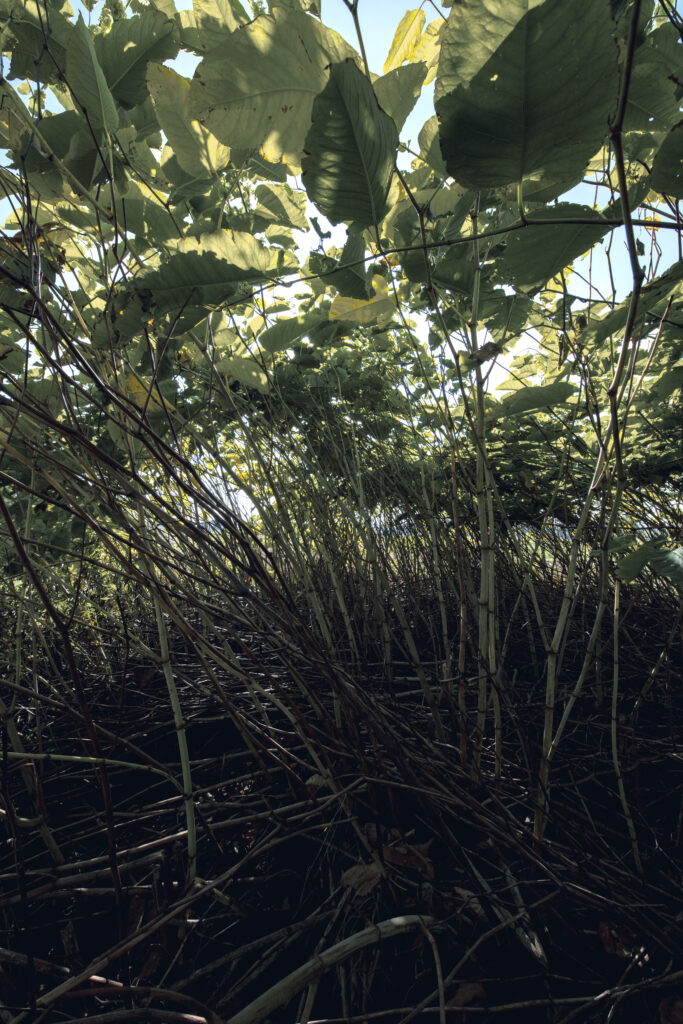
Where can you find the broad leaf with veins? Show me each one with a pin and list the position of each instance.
(525, 86)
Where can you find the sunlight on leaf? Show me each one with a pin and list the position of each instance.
(405, 39)
(198, 152)
(259, 92)
(380, 308)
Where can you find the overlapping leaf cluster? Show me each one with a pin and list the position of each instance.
(170, 285)
(333, 412)
(164, 208)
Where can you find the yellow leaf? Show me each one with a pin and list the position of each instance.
(428, 48)
(365, 311)
(143, 395)
(405, 40)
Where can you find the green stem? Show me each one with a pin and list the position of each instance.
(352, 5)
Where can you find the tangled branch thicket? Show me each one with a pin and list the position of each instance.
(324, 795)
(332, 686)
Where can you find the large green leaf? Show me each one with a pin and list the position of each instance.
(125, 51)
(284, 333)
(209, 270)
(209, 23)
(261, 168)
(506, 315)
(12, 355)
(67, 135)
(665, 563)
(145, 120)
(147, 218)
(258, 92)
(280, 204)
(669, 564)
(244, 369)
(452, 201)
(351, 277)
(453, 269)
(667, 170)
(537, 252)
(653, 96)
(381, 307)
(430, 150)
(524, 86)
(428, 48)
(650, 308)
(32, 25)
(529, 399)
(398, 90)
(197, 151)
(636, 192)
(350, 150)
(86, 80)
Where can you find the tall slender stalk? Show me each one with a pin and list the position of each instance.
(486, 640)
(178, 720)
(614, 734)
(615, 393)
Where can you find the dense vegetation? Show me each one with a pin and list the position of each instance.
(340, 494)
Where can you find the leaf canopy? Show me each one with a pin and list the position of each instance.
(173, 290)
